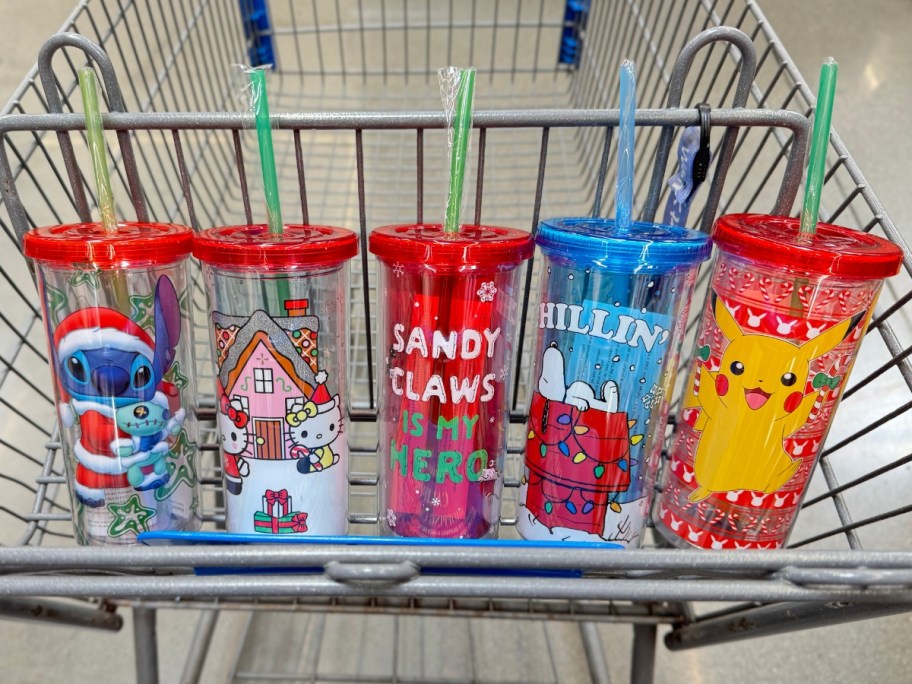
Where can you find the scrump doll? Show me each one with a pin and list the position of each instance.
(151, 424)
(107, 367)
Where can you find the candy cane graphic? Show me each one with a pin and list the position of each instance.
(843, 298)
(765, 284)
(787, 289)
(732, 274)
(749, 279)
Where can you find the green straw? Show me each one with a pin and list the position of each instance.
(820, 141)
(89, 89)
(462, 129)
(260, 105)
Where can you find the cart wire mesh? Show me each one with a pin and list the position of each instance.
(542, 146)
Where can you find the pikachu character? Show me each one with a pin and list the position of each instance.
(751, 404)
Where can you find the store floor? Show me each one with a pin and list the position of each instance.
(874, 116)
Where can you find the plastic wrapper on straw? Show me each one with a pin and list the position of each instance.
(258, 105)
(457, 90)
(88, 88)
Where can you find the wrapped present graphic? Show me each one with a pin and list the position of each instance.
(276, 503)
(276, 516)
(578, 462)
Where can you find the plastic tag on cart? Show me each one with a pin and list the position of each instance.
(683, 184)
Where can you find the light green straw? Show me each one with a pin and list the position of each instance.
(267, 154)
(88, 87)
(462, 129)
(820, 141)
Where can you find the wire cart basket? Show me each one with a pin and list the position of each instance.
(360, 142)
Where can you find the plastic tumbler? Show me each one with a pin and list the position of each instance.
(782, 325)
(279, 335)
(448, 314)
(610, 321)
(117, 314)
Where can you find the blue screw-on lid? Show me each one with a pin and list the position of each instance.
(643, 248)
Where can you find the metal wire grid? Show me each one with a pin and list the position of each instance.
(188, 167)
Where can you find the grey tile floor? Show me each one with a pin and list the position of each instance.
(873, 114)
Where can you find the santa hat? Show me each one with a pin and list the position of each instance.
(97, 328)
(321, 396)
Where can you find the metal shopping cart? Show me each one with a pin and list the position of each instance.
(360, 143)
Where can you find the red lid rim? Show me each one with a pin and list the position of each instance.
(832, 251)
(301, 246)
(474, 247)
(134, 243)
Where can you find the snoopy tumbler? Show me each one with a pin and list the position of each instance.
(278, 326)
(609, 325)
(117, 315)
(783, 321)
(448, 316)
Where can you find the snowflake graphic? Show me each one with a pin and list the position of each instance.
(654, 396)
(398, 269)
(503, 374)
(391, 517)
(487, 291)
(435, 501)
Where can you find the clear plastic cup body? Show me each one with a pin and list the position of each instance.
(279, 346)
(606, 352)
(446, 342)
(771, 359)
(121, 357)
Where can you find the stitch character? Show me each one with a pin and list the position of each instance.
(751, 404)
(313, 426)
(234, 438)
(150, 424)
(105, 362)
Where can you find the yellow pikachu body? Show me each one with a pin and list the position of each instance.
(750, 405)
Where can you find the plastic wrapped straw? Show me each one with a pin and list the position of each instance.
(88, 87)
(624, 202)
(457, 90)
(820, 140)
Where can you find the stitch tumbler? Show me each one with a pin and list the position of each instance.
(782, 325)
(116, 308)
(613, 308)
(448, 313)
(279, 334)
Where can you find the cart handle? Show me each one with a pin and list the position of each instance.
(94, 54)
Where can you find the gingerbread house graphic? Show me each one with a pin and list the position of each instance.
(268, 363)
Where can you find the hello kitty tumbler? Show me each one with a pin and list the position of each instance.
(279, 334)
(783, 321)
(448, 314)
(610, 320)
(117, 313)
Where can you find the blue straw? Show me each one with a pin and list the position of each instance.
(624, 201)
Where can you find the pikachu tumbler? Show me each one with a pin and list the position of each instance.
(783, 321)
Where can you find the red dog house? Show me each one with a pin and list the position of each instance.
(576, 461)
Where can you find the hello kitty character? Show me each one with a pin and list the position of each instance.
(234, 438)
(313, 426)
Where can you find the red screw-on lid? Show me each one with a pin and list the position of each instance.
(132, 244)
(255, 247)
(472, 248)
(832, 250)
